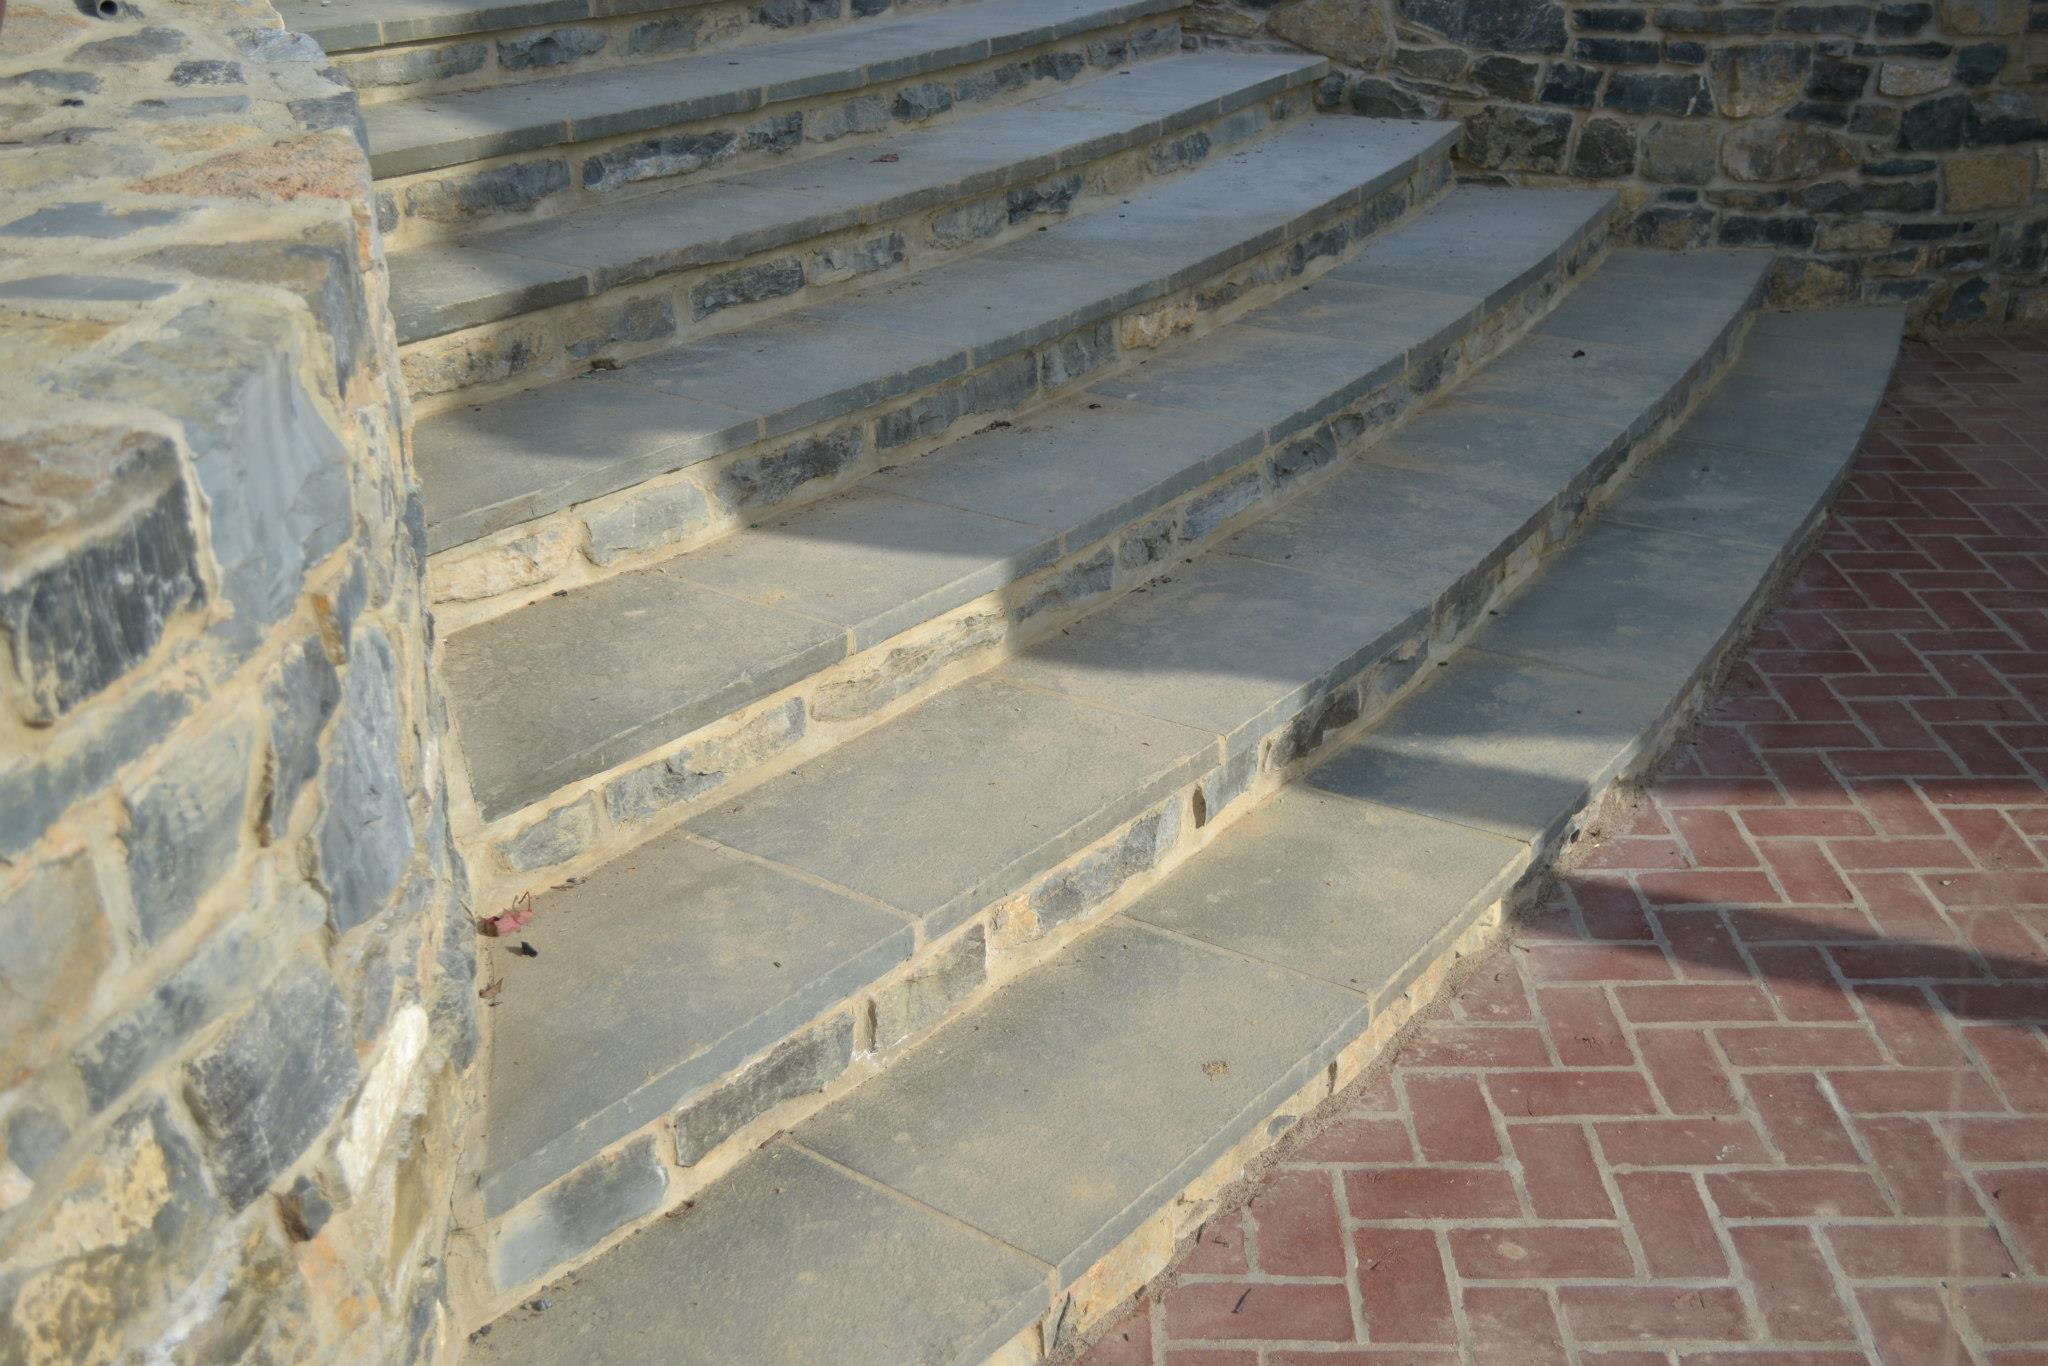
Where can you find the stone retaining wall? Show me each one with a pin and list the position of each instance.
(1889, 150)
(237, 1012)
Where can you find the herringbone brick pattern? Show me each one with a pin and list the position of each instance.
(1767, 1081)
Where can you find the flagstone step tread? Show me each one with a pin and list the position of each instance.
(448, 286)
(354, 25)
(435, 131)
(975, 793)
(1058, 1116)
(555, 691)
(501, 463)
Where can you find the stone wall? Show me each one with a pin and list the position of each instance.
(236, 995)
(1889, 150)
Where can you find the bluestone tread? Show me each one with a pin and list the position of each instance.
(485, 468)
(435, 131)
(447, 286)
(915, 541)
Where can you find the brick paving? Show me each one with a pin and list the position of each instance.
(1766, 1082)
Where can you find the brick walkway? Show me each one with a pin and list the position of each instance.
(1768, 1084)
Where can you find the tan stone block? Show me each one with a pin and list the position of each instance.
(1973, 17)
(1142, 331)
(1898, 78)
(468, 359)
(1855, 235)
(1354, 32)
(486, 571)
(1988, 180)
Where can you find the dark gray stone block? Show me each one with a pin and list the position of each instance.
(184, 827)
(578, 1213)
(300, 696)
(272, 1082)
(800, 1067)
(365, 834)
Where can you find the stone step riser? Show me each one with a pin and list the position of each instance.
(778, 1089)
(483, 578)
(645, 316)
(538, 52)
(584, 824)
(424, 206)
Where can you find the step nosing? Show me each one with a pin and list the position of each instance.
(756, 85)
(924, 347)
(552, 242)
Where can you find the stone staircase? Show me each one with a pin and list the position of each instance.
(1014, 595)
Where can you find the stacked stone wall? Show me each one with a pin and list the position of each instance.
(237, 1011)
(1887, 150)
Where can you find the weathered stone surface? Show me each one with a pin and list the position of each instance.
(219, 975)
(1681, 153)
(1991, 180)
(765, 480)
(184, 828)
(864, 114)
(1503, 137)
(418, 65)
(128, 1226)
(271, 1083)
(916, 103)
(555, 47)
(100, 555)
(1075, 891)
(704, 767)
(904, 669)
(748, 285)
(1354, 32)
(1983, 16)
(676, 33)
(1934, 125)
(1751, 80)
(250, 1304)
(1657, 93)
(576, 1214)
(556, 838)
(803, 1065)
(1536, 26)
(794, 13)
(486, 194)
(930, 993)
(830, 265)
(59, 941)
(1779, 152)
(1571, 85)
(1908, 82)
(1508, 77)
(504, 567)
(646, 319)
(364, 839)
(505, 352)
(673, 155)
(647, 520)
(1606, 147)
(300, 695)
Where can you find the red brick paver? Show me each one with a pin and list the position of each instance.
(1766, 1082)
